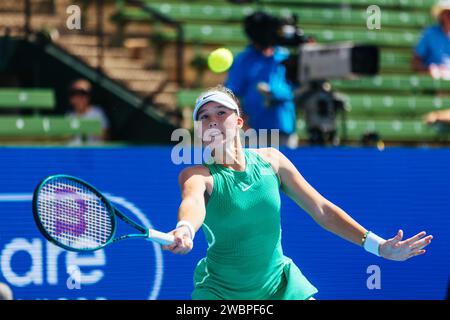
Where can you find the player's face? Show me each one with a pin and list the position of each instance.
(217, 123)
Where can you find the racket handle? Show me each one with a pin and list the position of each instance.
(160, 237)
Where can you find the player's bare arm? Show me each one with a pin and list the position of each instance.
(193, 184)
(333, 218)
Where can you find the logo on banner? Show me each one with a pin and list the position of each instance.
(37, 269)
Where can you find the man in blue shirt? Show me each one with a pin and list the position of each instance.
(258, 77)
(432, 53)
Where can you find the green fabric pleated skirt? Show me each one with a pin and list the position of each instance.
(293, 286)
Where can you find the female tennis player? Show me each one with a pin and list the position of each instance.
(236, 199)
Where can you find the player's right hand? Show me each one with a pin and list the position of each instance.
(183, 243)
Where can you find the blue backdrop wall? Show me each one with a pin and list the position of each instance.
(383, 190)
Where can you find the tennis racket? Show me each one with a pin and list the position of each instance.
(74, 215)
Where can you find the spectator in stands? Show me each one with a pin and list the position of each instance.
(80, 101)
(5, 292)
(432, 53)
(441, 116)
(258, 77)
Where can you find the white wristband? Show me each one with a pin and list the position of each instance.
(189, 226)
(372, 243)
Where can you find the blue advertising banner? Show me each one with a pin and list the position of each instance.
(398, 188)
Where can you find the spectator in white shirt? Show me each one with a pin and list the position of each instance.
(80, 101)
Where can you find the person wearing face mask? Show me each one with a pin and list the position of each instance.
(235, 197)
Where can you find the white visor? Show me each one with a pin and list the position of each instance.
(216, 96)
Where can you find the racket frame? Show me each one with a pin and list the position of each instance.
(112, 212)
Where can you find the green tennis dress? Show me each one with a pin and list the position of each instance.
(244, 259)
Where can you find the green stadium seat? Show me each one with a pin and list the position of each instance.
(377, 107)
(39, 99)
(204, 23)
(399, 62)
(410, 4)
(307, 15)
(390, 104)
(407, 4)
(231, 34)
(54, 126)
(388, 130)
(363, 105)
(408, 83)
(357, 17)
(188, 12)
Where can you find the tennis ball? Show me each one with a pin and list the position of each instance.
(220, 60)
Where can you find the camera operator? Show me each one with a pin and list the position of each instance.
(258, 77)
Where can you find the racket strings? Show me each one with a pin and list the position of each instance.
(73, 215)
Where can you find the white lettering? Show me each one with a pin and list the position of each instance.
(34, 274)
(74, 19)
(95, 259)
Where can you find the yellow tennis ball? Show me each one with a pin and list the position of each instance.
(220, 60)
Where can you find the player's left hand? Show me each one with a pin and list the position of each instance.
(397, 250)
